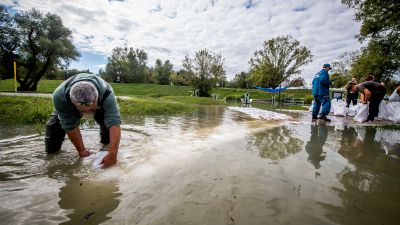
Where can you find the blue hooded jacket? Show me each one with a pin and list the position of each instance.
(321, 82)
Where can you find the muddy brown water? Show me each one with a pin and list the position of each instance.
(216, 166)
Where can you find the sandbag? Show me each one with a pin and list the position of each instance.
(384, 112)
(394, 111)
(362, 113)
(352, 110)
(339, 108)
(333, 102)
(394, 97)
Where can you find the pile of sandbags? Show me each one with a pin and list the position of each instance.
(387, 111)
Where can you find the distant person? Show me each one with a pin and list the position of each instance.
(372, 92)
(84, 94)
(351, 96)
(370, 78)
(395, 97)
(320, 91)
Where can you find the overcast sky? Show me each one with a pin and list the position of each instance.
(172, 29)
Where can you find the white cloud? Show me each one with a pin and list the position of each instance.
(172, 29)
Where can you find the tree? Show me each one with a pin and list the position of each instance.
(9, 43)
(344, 64)
(163, 71)
(44, 43)
(376, 59)
(380, 25)
(182, 77)
(297, 82)
(117, 69)
(126, 65)
(241, 80)
(279, 59)
(57, 73)
(204, 66)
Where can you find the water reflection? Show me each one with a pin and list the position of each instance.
(319, 134)
(370, 183)
(276, 143)
(88, 200)
(198, 169)
(359, 145)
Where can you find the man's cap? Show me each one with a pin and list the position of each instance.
(327, 65)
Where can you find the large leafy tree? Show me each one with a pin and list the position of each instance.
(297, 82)
(182, 77)
(126, 65)
(162, 71)
(205, 66)
(380, 26)
(44, 43)
(9, 43)
(278, 60)
(241, 80)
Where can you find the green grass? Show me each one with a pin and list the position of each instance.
(26, 110)
(155, 91)
(148, 99)
(152, 107)
(36, 110)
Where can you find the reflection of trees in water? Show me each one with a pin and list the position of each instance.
(206, 118)
(276, 143)
(371, 188)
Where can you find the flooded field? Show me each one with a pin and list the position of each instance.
(217, 166)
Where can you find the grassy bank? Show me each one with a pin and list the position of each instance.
(36, 110)
(147, 99)
(156, 91)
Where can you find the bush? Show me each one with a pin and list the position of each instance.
(308, 99)
(232, 98)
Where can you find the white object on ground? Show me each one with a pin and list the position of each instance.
(98, 158)
(384, 112)
(339, 108)
(260, 114)
(394, 97)
(394, 111)
(362, 113)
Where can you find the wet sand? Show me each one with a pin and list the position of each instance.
(217, 166)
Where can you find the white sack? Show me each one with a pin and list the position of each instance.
(362, 113)
(339, 108)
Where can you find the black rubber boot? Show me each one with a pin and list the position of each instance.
(55, 135)
(324, 118)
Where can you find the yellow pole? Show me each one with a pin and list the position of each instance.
(15, 76)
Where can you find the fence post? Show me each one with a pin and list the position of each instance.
(15, 76)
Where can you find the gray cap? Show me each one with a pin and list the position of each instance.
(83, 93)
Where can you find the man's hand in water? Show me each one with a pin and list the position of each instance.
(84, 153)
(109, 160)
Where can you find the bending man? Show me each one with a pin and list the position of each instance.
(79, 95)
(373, 92)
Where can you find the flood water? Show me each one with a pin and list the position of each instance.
(216, 166)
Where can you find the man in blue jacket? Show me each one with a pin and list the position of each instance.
(320, 91)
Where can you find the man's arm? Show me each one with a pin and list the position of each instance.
(115, 137)
(325, 79)
(76, 138)
(365, 96)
